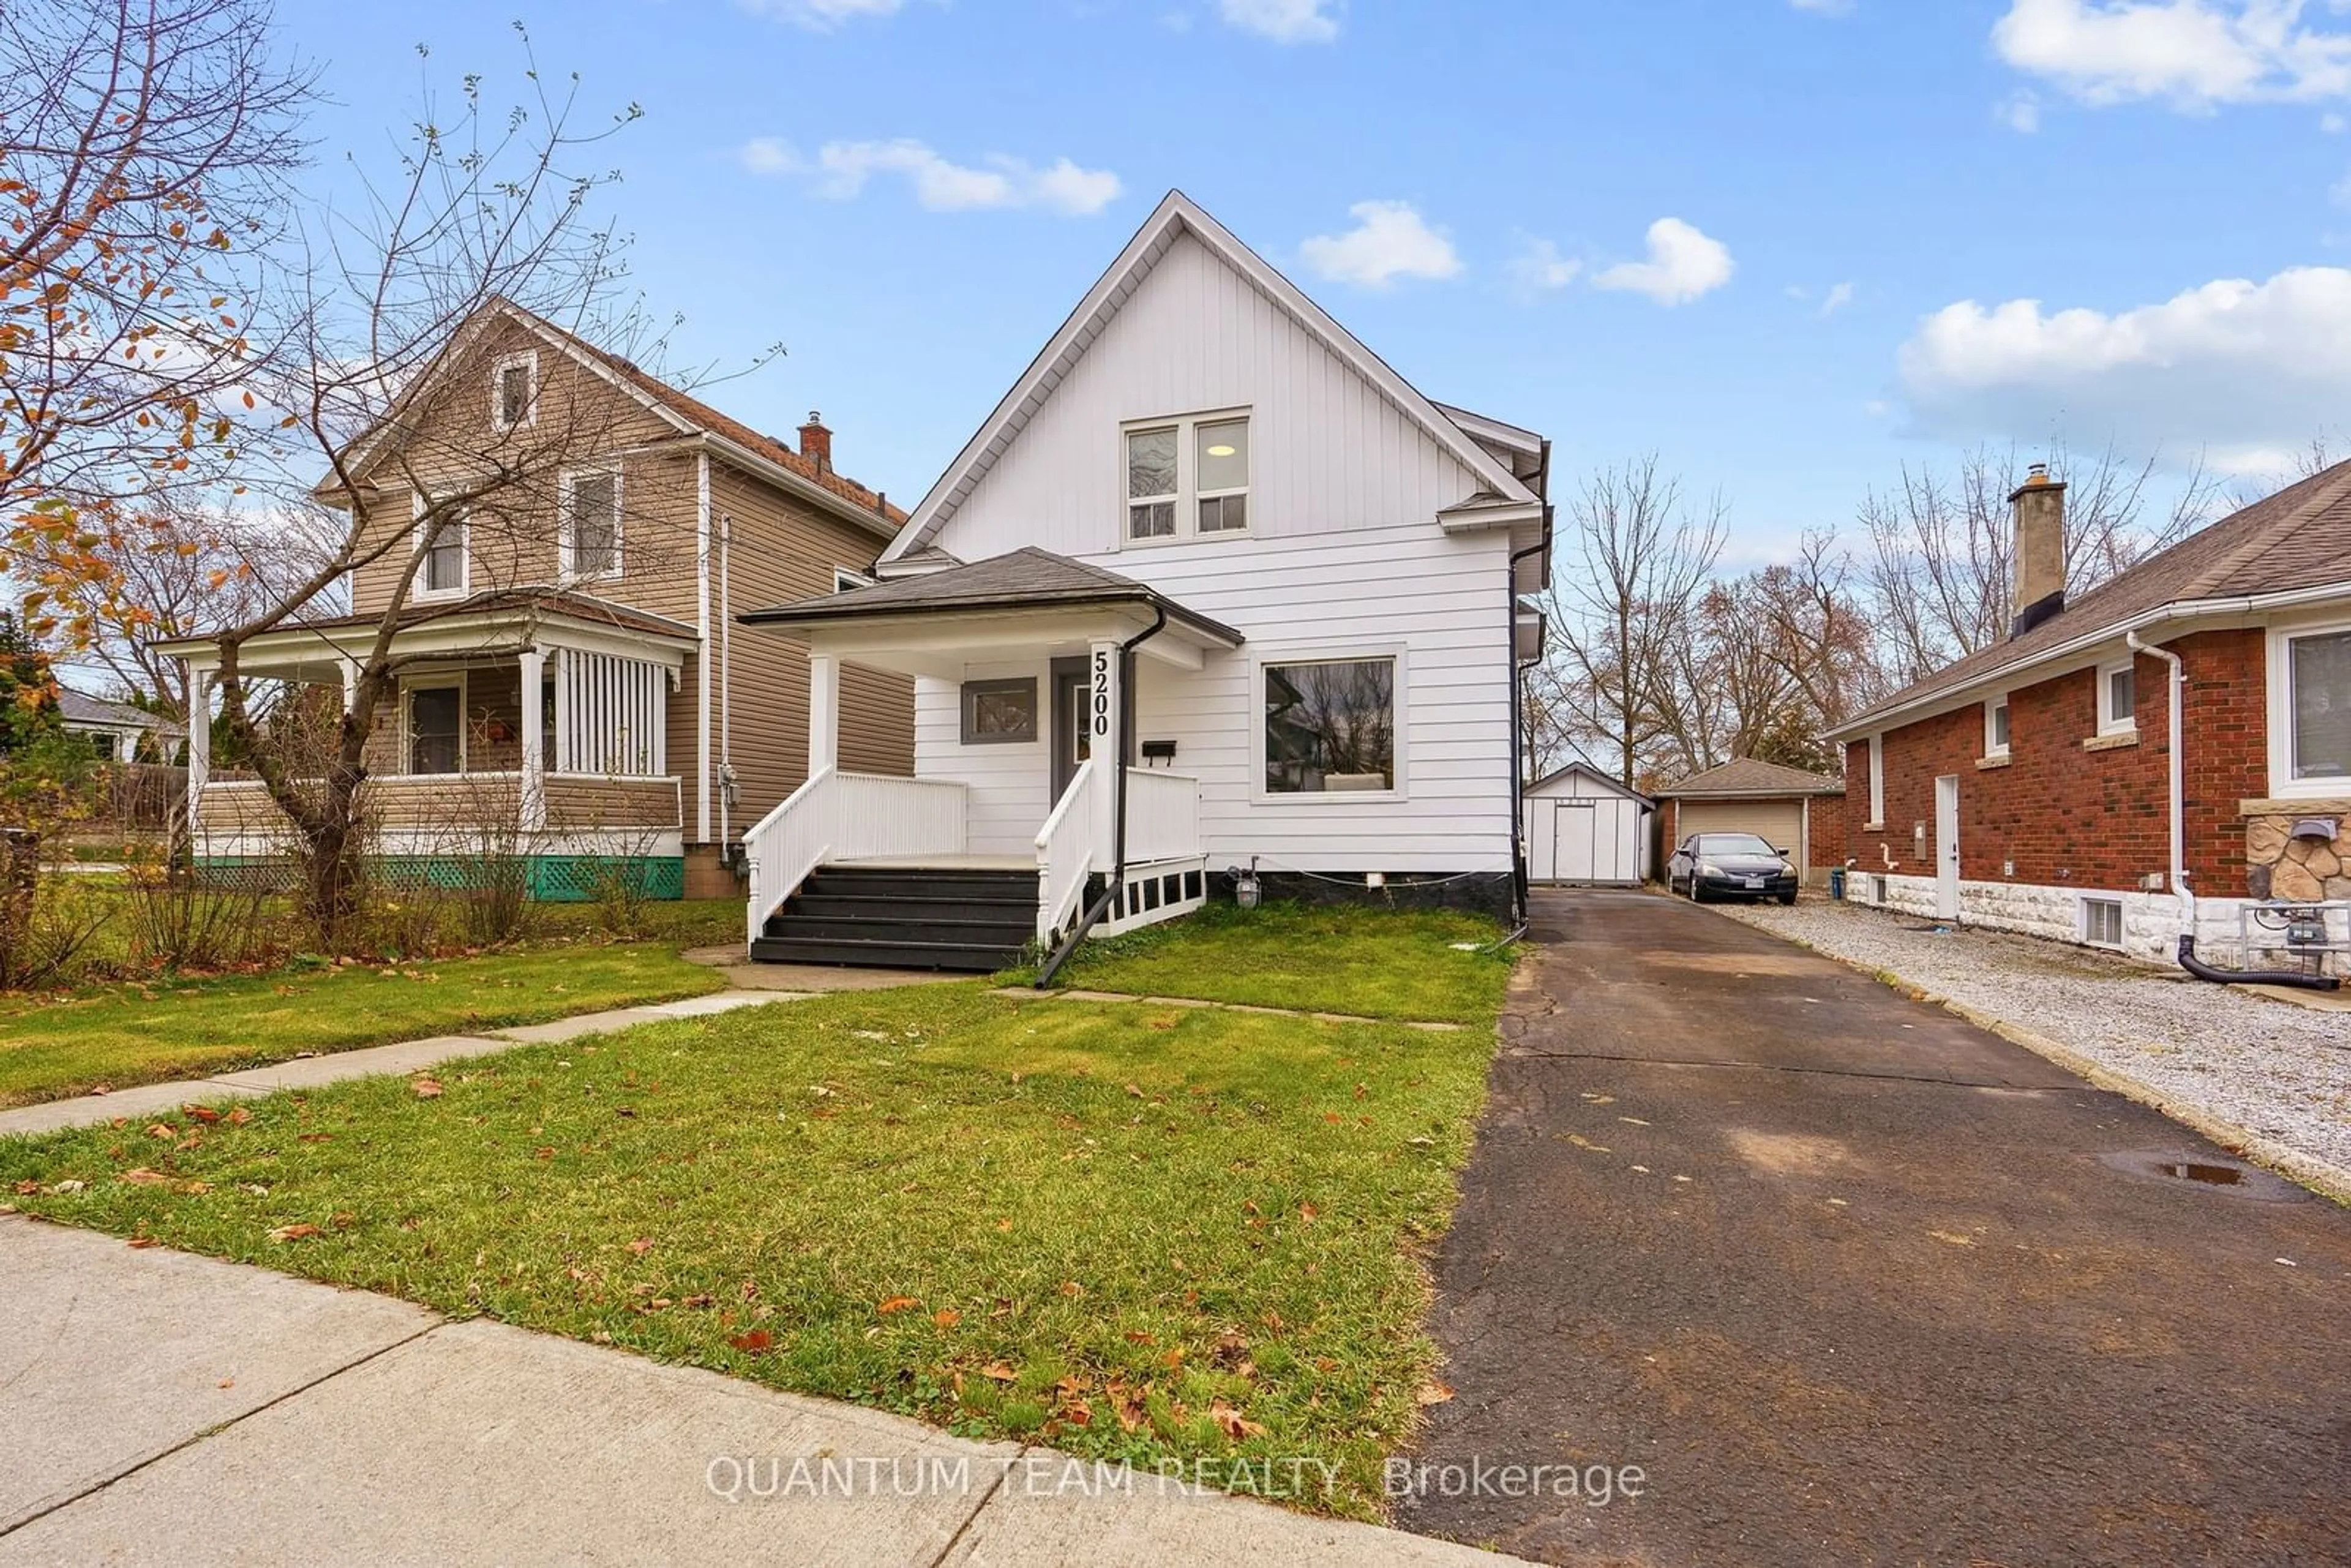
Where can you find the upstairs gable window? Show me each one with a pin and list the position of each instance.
(591, 525)
(514, 392)
(1187, 478)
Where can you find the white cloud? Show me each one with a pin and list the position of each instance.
(1390, 240)
(841, 169)
(823, 15)
(1683, 264)
(1839, 296)
(2193, 53)
(1284, 21)
(1824, 7)
(2333, 124)
(2020, 112)
(1539, 268)
(2236, 369)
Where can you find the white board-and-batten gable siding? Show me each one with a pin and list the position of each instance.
(1328, 451)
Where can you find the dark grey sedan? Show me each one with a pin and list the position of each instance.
(1731, 865)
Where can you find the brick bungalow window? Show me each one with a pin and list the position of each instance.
(1996, 728)
(2319, 711)
(2118, 698)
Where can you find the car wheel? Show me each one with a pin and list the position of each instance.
(1787, 897)
(1696, 894)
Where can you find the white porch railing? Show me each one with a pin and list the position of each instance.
(1065, 855)
(847, 816)
(1163, 815)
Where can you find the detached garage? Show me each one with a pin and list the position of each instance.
(1584, 829)
(1746, 796)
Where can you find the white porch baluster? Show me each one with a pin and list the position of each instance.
(200, 746)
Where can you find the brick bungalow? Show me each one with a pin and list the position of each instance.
(2186, 725)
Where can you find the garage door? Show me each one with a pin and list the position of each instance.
(1779, 824)
(1588, 840)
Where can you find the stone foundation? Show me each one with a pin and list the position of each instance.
(2151, 927)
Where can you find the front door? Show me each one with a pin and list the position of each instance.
(1071, 727)
(1947, 847)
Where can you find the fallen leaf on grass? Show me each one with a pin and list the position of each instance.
(895, 1304)
(427, 1088)
(1309, 1213)
(143, 1177)
(1433, 1392)
(947, 1317)
(641, 1244)
(28, 1187)
(239, 1116)
(1071, 1287)
(142, 1241)
(1136, 1336)
(754, 1342)
(201, 1113)
(295, 1232)
(162, 1130)
(1234, 1425)
(999, 1371)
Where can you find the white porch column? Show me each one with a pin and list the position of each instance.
(824, 713)
(200, 747)
(534, 741)
(350, 685)
(1103, 701)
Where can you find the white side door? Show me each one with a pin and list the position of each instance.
(1947, 847)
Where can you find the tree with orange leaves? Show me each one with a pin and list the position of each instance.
(142, 146)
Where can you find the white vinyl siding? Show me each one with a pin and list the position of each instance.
(1440, 600)
(1327, 453)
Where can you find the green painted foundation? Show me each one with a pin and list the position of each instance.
(548, 879)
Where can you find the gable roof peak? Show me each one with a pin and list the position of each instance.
(1178, 217)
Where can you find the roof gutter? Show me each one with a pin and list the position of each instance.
(2177, 610)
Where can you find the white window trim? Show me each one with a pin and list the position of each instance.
(1322, 653)
(1187, 495)
(2283, 785)
(2110, 722)
(844, 579)
(421, 582)
(1993, 744)
(572, 573)
(528, 360)
(412, 683)
(2082, 920)
(1876, 785)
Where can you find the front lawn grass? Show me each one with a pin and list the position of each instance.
(1138, 1233)
(157, 1030)
(1374, 963)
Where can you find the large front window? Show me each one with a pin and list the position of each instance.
(1189, 479)
(2319, 669)
(1329, 726)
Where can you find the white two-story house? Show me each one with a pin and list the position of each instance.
(1211, 590)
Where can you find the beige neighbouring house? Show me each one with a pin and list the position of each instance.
(1776, 803)
(574, 683)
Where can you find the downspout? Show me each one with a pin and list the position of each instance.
(1122, 745)
(1518, 698)
(725, 680)
(2188, 961)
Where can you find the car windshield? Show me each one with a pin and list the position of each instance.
(1734, 844)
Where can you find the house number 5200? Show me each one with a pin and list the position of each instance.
(1101, 694)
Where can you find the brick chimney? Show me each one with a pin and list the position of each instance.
(2040, 505)
(816, 441)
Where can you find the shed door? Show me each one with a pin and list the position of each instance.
(1584, 840)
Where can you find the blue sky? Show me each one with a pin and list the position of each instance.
(1744, 234)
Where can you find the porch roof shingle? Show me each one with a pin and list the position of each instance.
(1748, 777)
(1024, 579)
(522, 601)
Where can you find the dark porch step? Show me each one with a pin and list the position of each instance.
(945, 906)
(969, 957)
(1011, 887)
(806, 924)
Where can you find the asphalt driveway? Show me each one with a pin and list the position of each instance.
(1848, 1279)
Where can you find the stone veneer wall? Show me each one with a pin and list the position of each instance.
(2150, 920)
(2279, 865)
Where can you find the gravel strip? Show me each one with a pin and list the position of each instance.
(2274, 1068)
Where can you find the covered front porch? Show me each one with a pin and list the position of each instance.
(537, 732)
(1035, 817)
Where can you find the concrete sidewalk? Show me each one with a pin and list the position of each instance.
(403, 1056)
(170, 1407)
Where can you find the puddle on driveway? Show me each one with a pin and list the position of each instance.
(2232, 1176)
